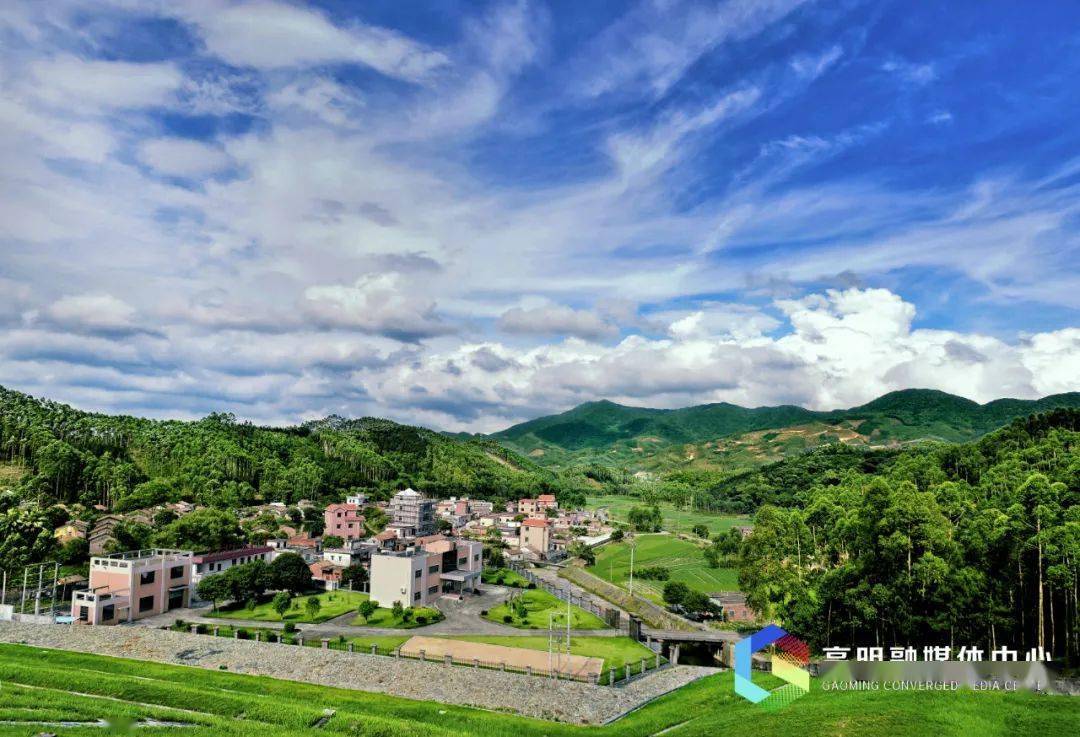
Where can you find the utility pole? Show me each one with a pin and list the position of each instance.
(632, 548)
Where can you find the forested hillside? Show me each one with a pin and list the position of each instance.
(54, 453)
(725, 437)
(973, 544)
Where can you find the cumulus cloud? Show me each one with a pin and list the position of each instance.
(376, 303)
(93, 311)
(557, 320)
(68, 82)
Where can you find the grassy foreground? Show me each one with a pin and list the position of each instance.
(684, 559)
(37, 686)
(331, 604)
(539, 608)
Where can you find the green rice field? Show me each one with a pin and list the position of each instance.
(684, 559)
(675, 520)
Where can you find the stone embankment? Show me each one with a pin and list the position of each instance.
(542, 698)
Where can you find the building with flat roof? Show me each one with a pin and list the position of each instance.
(208, 564)
(127, 586)
(412, 514)
(417, 576)
(535, 537)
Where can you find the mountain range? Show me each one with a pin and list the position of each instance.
(727, 436)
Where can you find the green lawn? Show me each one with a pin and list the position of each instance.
(505, 577)
(684, 559)
(675, 520)
(332, 603)
(38, 685)
(539, 605)
(384, 617)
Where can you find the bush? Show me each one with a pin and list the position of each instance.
(289, 627)
(179, 624)
(243, 634)
(507, 618)
(531, 585)
(422, 618)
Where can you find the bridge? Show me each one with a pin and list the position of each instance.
(719, 642)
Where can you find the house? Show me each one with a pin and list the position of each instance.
(327, 573)
(306, 548)
(101, 534)
(210, 563)
(359, 500)
(537, 506)
(127, 586)
(412, 514)
(478, 506)
(733, 605)
(345, 521)
(745, 530)
(535, 537)
(419, 575)
(73, 530)
(354, 553)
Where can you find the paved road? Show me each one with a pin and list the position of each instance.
(462, 618)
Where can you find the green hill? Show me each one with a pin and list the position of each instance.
(53, 452)
(726, 436)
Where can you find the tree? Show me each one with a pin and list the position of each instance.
(354, 577)
(281, 603)
(579, 549)
(700, 530)
(333, 541)
(203, 529)
(312, 606)
(645, 519)
(675, 593)
(213, 588)
(248, 581)
(366, 609)
(695, 601)
(289, 571)
(396, 610)
(617, 535)
(444, 525)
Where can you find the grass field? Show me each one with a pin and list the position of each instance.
(539, 605)
(505, 577)
(675, 520)
(332, 604)
(383, 617)
(37, 686)
(684, 559)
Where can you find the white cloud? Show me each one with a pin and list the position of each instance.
(813, 66)
(557, 320)
(275, 35)
(69, 82)
(95, 311)
(377, 303)
(182, 157)
(910, 72)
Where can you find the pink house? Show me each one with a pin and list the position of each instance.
(128, 586)
(345, 521)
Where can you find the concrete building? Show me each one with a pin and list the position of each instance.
(345, 521)
(537, 506)
(210, 563)
(328, 574)
(412, 514)
(536, 538)
(129, 586)
(101, 534)
(419, 575)
(360, 500)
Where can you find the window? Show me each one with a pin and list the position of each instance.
(419, 573)
(463, 561)
(433, 569)
(146, 603)
(148, 577)
(476, 557)
(433, 590)
(108, 612)
(416, 596)
(84, 613)
(176, 572)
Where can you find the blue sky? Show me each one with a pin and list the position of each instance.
(466, 214)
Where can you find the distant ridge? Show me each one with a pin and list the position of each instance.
(613, 434)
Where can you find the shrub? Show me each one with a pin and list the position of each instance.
(507, 618)
(179, 624)
(531, 585)
(243, 634)
(422, 618)
(289, 627)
